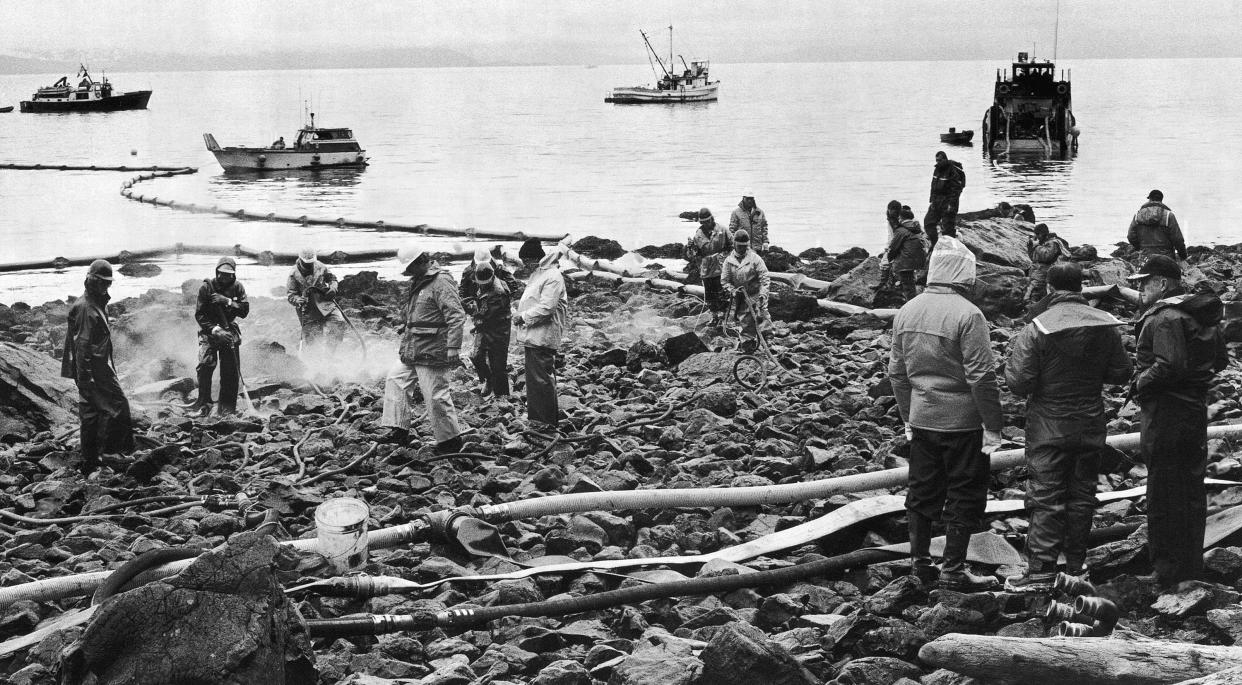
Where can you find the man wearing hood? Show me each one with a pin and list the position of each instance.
(541, 316)
(531, 253)
(948, 181)
(486, 295)
(944, 380)
(1044, 250)
(745, 276)
(892, 214)
(748, 217)
(1060, 363)
(707, 249)
(906, 252)
(221, 301)
(430, 348)
(1154, 229)
(103, 411)
(1180, 349)
(311, 289)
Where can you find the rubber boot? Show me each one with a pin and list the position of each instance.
(921, 565)
(953, 572)
(202, 407)
(451, 446)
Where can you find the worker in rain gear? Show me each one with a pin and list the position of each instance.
(311, 289)
(494, 261)
(1154, 229)
(486, 296)
(944, 380)
(1060, 363)
(748, 217)
(106, 426)
(948, 181)
(221, 301)
(530, 253)
(745, 277)
(541, 316)
(907, 253)
(1045, 249)
(433, 320)
(892, 215)
(1180, 349)
(706, 251)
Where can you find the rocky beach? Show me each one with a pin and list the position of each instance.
(649, 405)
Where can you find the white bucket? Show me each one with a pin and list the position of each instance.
(342, 527)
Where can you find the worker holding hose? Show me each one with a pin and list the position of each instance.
(311, 289)
(87, 358)
(706, 251)
(745, 277)
(487, 298)
(221, 302)
(944, 380)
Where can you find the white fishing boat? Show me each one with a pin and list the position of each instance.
(314, 148)
(692, 84)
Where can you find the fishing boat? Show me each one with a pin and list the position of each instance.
(956, 137)
(692, 84)
(89, 96)
(1031, 111)
(314, 148)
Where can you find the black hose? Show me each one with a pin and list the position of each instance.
(147, 560)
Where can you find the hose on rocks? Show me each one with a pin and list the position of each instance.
(130, 569)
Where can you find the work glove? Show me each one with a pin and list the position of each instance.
(299, 302)
(217, 298)
(991, 441)
(221, 337)
(453, 355)
(519, 322)
(909, 432)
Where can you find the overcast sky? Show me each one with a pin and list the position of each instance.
(562, 31)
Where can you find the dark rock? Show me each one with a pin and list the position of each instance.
(858, 286)
(813, 254)
(147, 464)
(777, 259)
(741, 654)
(1224, 563)
(140, 269)
(1085, 253)
(876, 670)
(1194, 597)
(897, 639)
(33, 396)
(896, 596)
(653, 665)
(942, 619)
(599, 248)
(719, 399)
(563, 672)
(665, 251)
(854, 253)
(998, 241)
(613, 357)
(680, 347)
(791, 306)
(1032, 627)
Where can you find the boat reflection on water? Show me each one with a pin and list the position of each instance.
(342, 177)
(1033, 175)
(310, 190)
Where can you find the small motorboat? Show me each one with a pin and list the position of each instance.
(314, 148)
(956, 137)
(6, 110)
(89, 96)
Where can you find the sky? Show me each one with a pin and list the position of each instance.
(575, 32)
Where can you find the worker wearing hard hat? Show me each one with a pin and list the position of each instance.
(221, 302)
(87, 359)
(311, 289)
(487, 290)
(430, 347)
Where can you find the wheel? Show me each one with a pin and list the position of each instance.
(750, 372)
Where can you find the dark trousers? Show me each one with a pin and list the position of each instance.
(948, 478)
(229, 359)
(1039, 281)
(908, 290)
(714, 294)
(1174, 447)
(941, 209)
(104, 415)
(491, 355)
(541, 385)
(1060, 494)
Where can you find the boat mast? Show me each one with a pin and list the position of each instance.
(1056, 32)
(670, 45)
(654, 54)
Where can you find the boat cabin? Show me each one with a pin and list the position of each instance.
(1031, 79)
(327, 140)
(88, 89)
(695, 76)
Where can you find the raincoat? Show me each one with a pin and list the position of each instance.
(544, 307)
(1154, 230)
(433, 320)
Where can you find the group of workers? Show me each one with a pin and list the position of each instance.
(730, 265)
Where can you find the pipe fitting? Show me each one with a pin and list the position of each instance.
(1070, 629)
(1060, 611)
(1073, 586)
(1103, 611)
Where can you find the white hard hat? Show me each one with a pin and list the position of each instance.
(748, 193)
(482, 256)
(408, 254)
(308, 255)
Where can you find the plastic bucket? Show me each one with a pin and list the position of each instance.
(341, 524)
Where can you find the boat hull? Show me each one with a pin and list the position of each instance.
(640, 95)
(262, 159)
(113, 103)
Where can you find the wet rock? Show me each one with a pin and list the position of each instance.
(998, 241)
(679, 348)
(613, 357)
(896, 596)
(665, 251)
(563, 672)
(813, 254)
(140, 269)
(1194, 597)
(896, 638)
(33, 396)
(599, 248)
(942, 619)
(777, 259)
(790, 306)
(657, 665)
(719, 399)
(875, 670)
(858, 286)
(642, 353)
(741, 654)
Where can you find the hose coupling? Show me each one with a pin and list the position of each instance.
(1070, 629)
(1060, 611)
(441, 524)
(1103, 611)
(1072, 585)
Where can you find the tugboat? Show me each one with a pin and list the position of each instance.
(691, 85)
(89, 96)
(1031, 112)
(314, 148)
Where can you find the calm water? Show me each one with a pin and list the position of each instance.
(822, 146)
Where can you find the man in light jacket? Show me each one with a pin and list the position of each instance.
(748, 217)
(944, 380)
(745, 276)
(311, 289)
(1060, 362)
(430, 349)
(708, 247)
(541, 316)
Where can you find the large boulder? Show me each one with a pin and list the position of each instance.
(857, 286)
(999, 241)
(787, 305)
(999, 290)
(599, 248)
(33, 396)
(1109, 272)
(740, 654)
(708, 367)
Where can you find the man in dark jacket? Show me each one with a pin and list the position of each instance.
(948, 181)
(221, 302)
(87, 359)
(1044, 250)
(1154, 229)
(1060, 363)
(486, 294)
(892, 215)
(944, 380)
(906, 252)
(1179, 350)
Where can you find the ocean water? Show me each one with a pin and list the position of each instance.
(823, 147)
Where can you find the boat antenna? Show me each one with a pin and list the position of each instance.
(1056, 32)
(670, 44)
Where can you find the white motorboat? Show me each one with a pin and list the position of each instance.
(314, 148)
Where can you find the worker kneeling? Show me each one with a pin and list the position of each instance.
(312, 291)
(746, 276)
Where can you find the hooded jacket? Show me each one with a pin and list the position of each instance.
(544, 307)
(754, 222)
(208, 314)
(433, 320)
(906, 251)
(710, 250)
(941, 364)
(1180, 347)
(88, 342)
(749, 274)
(314, 287)
(1047, 251)
(1060, 362)
(948, 180)
(1154, 229)
(469, 287)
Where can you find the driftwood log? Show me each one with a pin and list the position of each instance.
(1231, 677)
(1077, 661)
